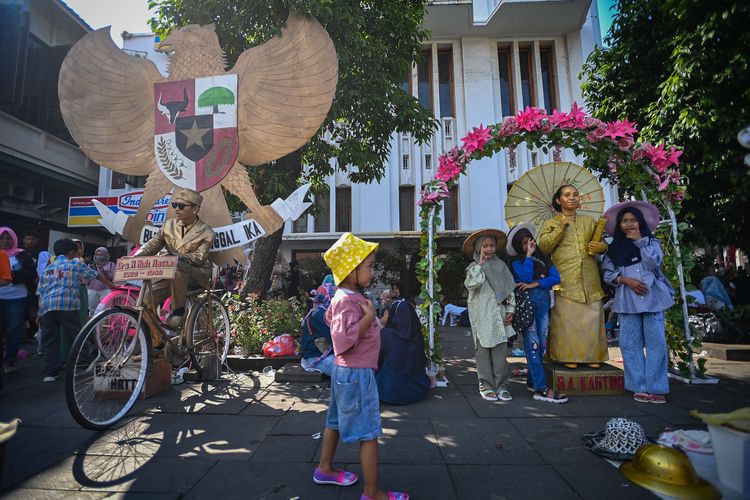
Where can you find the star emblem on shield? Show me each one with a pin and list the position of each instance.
(195, 129)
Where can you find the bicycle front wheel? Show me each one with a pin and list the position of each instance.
(104, 379)
(210, 329)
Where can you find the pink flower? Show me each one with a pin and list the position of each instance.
(625, 143)
(576, 117)
(590, 121)
(448, 168)
(559, 118)
(597, 134)
(657, 155)
(476, 139)
(546, 127)
(620, 128)
(664, 183)
(639, 153)
(433, 194)
(530, 118)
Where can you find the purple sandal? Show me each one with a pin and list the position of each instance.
(392, 495)
(340, 478)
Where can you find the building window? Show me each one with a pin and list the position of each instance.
(424, 80)
(405, 162)
(428, 161)
(300, 225)
(506, 82)
(451, 210)
(406, 208)
(323, 218)
(343, 209)
(405, 84)
(445, 82)
(549, 78)
(527, 80)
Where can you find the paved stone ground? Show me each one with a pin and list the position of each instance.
(251, 438)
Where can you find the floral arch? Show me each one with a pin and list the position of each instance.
(611, 151)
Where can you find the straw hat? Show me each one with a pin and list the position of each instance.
(500, 238)
(512, 234)
(649, 211)
(618, 441)
(346, 254)
(669, 472)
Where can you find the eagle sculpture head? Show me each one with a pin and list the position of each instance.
(193, 51)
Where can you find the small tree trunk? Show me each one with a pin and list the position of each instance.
(262, 260)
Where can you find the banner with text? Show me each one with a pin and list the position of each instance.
(225, 237)
(83, 213)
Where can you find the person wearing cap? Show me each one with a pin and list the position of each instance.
(190, 239)
(354, 406)
(642, 294)
(577, 333)
(491, 304)
(536, 274)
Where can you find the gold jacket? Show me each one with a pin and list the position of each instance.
(579, 272)
(194, 246)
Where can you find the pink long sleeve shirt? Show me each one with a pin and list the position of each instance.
(351, 348)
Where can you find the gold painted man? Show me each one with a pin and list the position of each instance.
(190, 239)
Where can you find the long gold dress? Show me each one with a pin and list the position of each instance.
(577, 333)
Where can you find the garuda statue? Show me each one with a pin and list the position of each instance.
(196, 128)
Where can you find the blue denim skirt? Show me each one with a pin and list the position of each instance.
(354, 407)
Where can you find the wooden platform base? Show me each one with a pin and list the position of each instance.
(729, 352)
(584, 380)
(158, 379)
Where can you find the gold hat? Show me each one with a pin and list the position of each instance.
(669, 472)
(346, 254)
(500, 238)
(184, 195)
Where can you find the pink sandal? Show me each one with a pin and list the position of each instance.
(392, 495)
(341, 478)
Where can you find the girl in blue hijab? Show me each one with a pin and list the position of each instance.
(642, 294)
(401, 375)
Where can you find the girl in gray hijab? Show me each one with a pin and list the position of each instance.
(491, 306)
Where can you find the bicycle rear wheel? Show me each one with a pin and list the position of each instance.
(209, 336)
(105, 378)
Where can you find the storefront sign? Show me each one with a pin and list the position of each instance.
(83, 213)
(225, 237)
(142, 268)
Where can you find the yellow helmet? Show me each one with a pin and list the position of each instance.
(667, 471)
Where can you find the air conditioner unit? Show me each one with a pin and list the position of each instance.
(18, 190)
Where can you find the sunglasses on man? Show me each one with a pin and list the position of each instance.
(182, 206)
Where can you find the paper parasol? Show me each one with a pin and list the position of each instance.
(530, 198)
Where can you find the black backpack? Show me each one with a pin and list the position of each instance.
(523, 318)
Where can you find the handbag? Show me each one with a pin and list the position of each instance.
(524, 315)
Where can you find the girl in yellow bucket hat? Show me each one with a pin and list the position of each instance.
(354, 406)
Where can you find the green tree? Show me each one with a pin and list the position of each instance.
(377, 43)
(681, 70)
(215, 96)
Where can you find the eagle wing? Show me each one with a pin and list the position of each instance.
(107, 99)
(286, 87)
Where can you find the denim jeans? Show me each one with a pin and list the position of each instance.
(644, 372)
(535, 340)
(14, 314)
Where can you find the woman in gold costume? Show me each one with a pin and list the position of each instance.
(577, 333)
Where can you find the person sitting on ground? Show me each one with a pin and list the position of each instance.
(97, 289)
(59, 302)
(315, 343)
(401, 374)
(190, 239)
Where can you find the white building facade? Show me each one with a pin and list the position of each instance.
(486, 60)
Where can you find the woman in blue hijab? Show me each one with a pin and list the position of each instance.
(401, 375)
